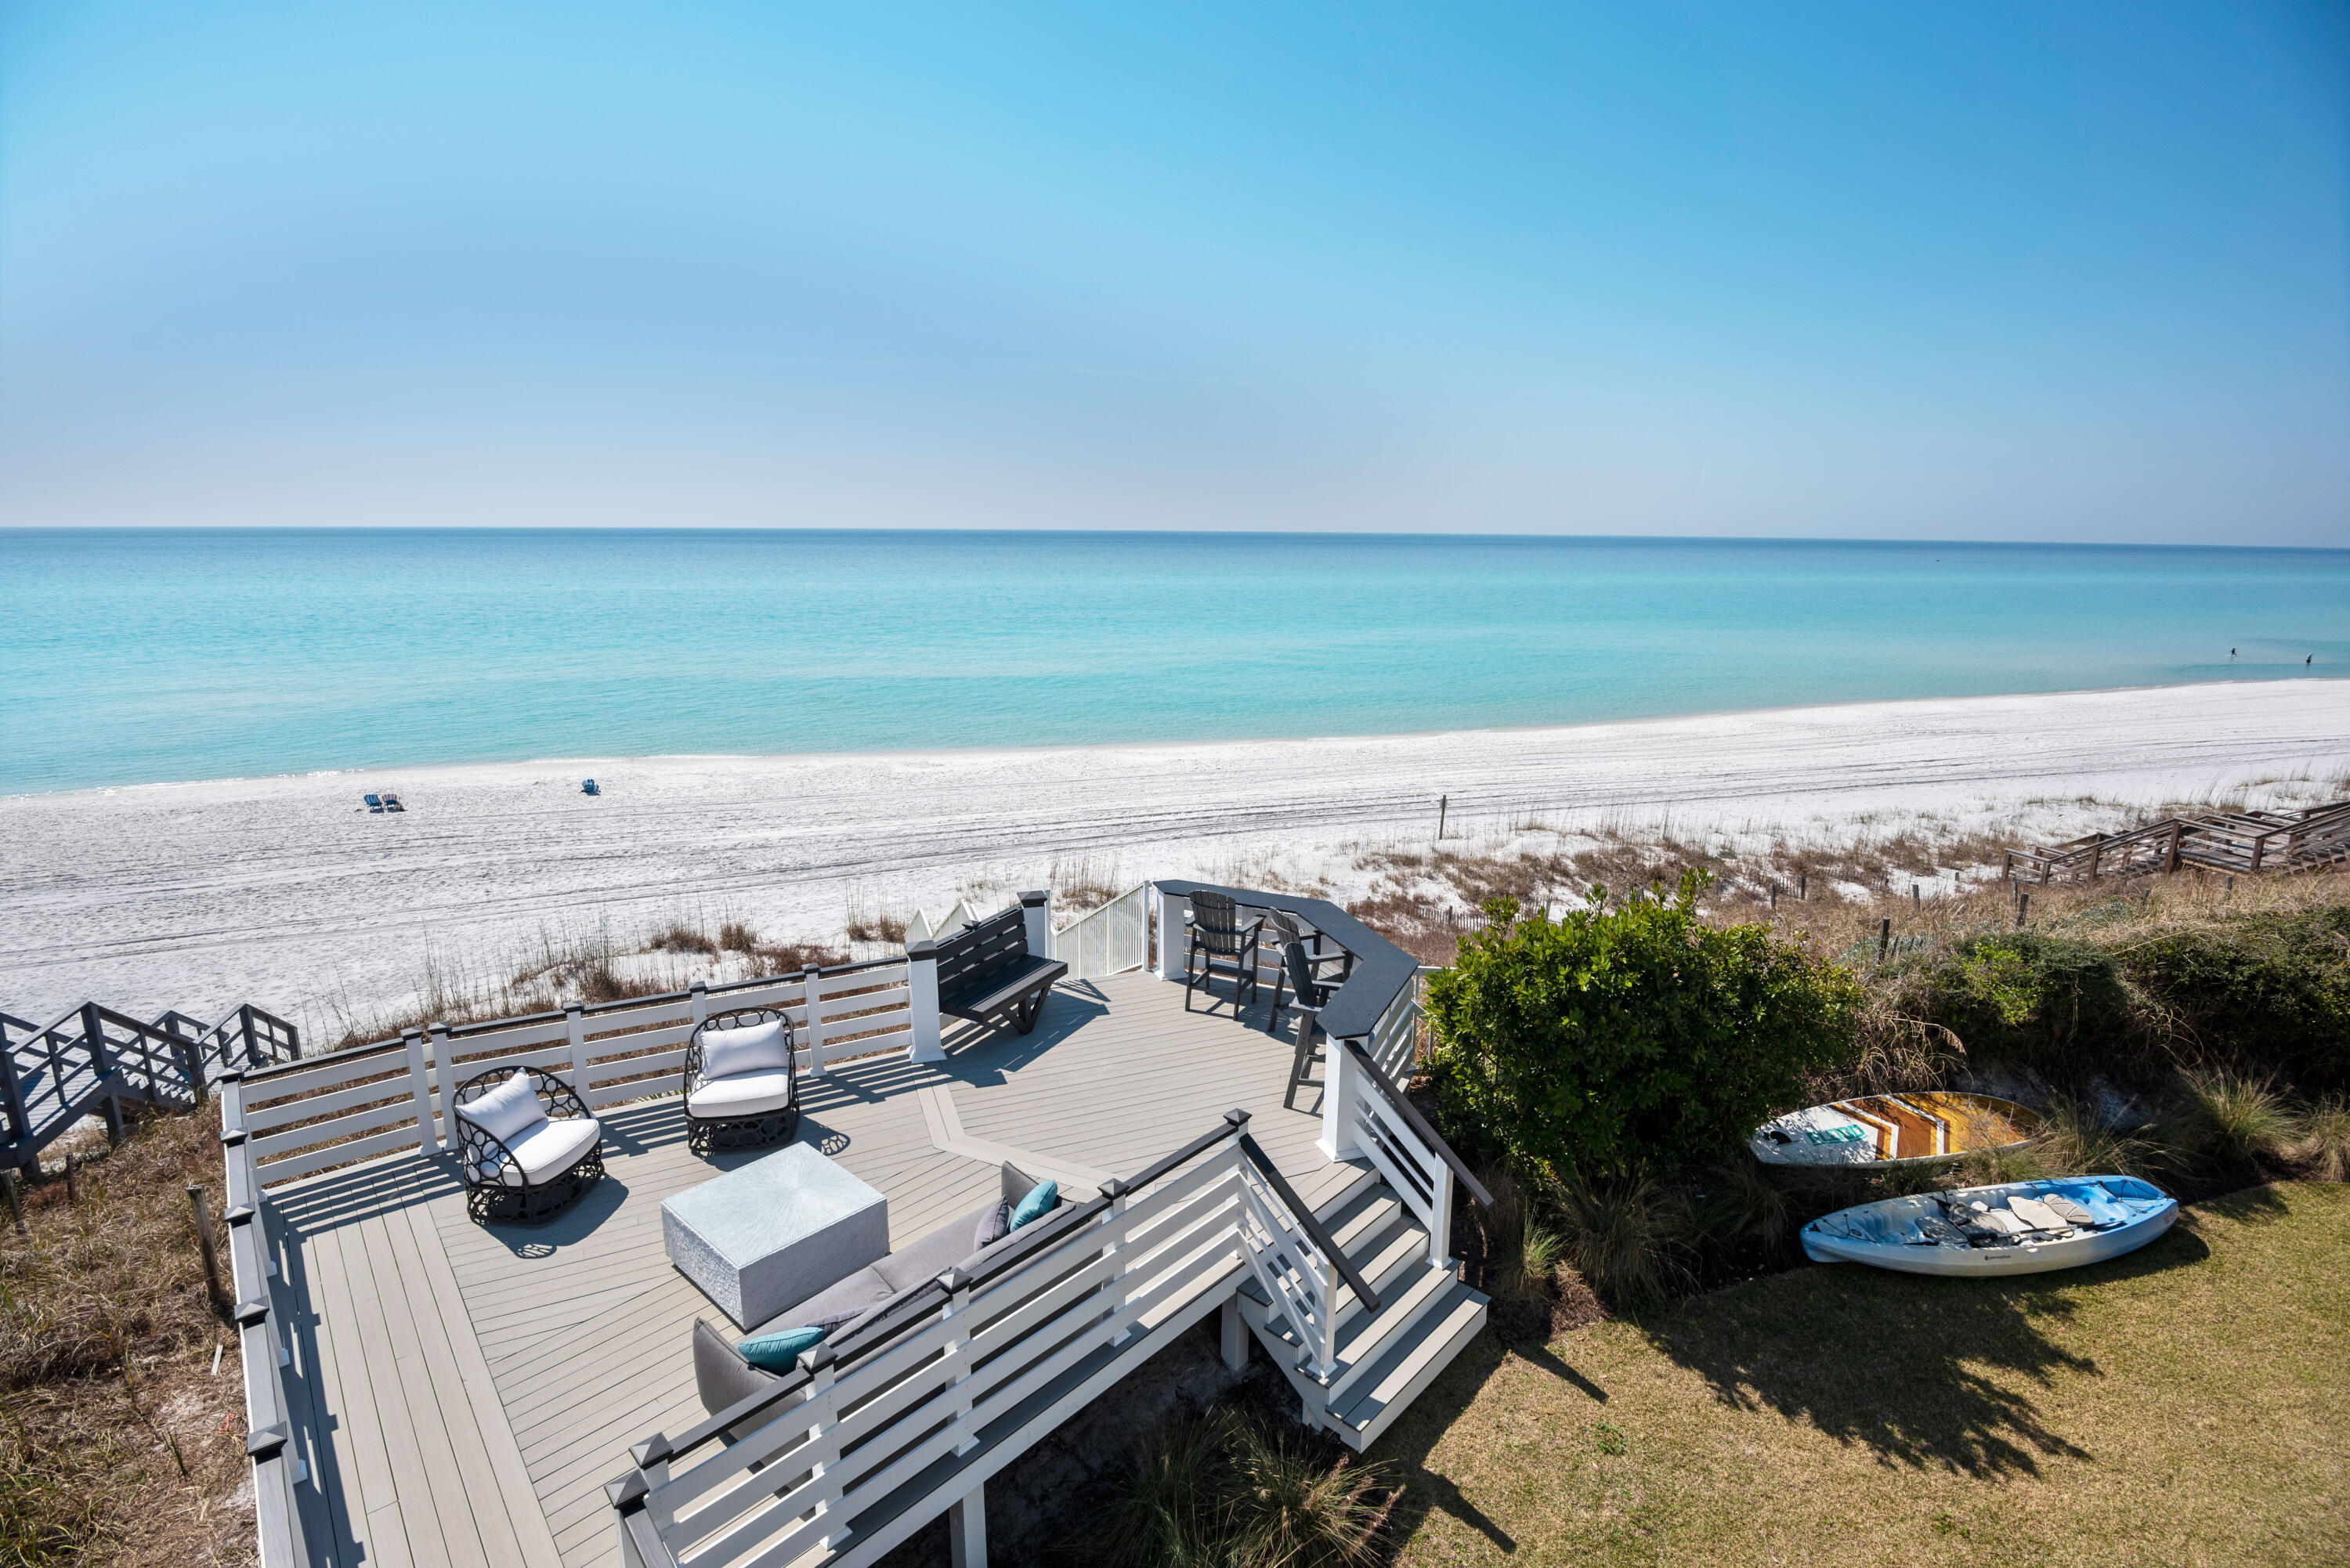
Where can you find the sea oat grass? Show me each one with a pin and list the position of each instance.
(2322, 1140)
(121, 1446)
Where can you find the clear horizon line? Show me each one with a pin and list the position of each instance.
(1398, 534)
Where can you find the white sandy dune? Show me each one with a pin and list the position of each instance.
(279, 892)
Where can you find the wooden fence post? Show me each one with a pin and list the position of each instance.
(205, 1245)
(2023, 908)
(15, 1202)
(1884, 936)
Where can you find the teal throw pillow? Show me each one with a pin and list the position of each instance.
(1042, 1199)
(780, 1352)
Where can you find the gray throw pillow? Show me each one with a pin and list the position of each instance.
(994, 1224)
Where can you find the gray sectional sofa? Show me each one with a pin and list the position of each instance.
(723, 1378)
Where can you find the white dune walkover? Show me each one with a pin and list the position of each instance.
(427, 1388)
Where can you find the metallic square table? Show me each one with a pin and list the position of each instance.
(775, 1232)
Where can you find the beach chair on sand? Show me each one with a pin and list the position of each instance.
(588, 786)
(391, 802)
(374, 804)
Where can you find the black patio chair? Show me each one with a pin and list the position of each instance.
(1287, 930)
(526, 1158)
(755, 1099)
(1221, 944)
(1298, 968)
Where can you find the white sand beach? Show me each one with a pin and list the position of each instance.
(285, 892)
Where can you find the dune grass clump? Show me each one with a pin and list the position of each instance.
(2322, 1140)
(1629, 1240)
(2221, 1118)
(1224, 1491)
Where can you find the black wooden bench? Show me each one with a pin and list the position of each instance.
(986, 972)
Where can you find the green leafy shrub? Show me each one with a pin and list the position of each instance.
(2050, 1003)
(2268, 990)
(1617, 1044)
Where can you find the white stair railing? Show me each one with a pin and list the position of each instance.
(1420, 1165)
(1110, 939)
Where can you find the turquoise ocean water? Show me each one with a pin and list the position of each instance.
(141, 656)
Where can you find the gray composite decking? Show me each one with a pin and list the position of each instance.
(468, 1390)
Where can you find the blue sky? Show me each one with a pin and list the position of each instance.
(1982, 271)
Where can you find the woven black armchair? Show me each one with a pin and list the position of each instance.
(1221, 944)
(526, 1158)
(755, 1099)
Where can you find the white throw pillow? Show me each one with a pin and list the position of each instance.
(757, 1049)
(507, 1112)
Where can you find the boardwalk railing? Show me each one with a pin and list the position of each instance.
(905, 1415)
(373, 1100)
(2249, 841)
(272, 1441)
(94, 1059)
(1110, 939)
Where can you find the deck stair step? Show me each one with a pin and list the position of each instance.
(1385, 1357)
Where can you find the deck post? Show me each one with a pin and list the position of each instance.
(967, 1529)
(1440, 1219)
(421, 1087)
(922, 1001)
(1036, 921)
(575, 1027)
(1233, 1336)
(93, 1039)
(957, 1350)
(1171, 935)
(812, 1001)
(1337, 1139)
(444, 1070)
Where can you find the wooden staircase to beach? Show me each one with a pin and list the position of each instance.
(2239, 842)
(94, 1060)
(1386, 1357)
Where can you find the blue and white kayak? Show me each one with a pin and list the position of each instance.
(2019, 1227)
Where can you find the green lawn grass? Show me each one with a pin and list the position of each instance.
(2187, 1403)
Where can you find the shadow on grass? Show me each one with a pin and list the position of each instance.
(1405, 1447)
(1924, 1372)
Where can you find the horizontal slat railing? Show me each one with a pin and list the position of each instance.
(273, 1441)
(321, 1112)
(819, 1461)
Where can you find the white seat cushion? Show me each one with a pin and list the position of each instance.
(548, 1149)
(739, 1094)
(508, 1112)
(726, 1053)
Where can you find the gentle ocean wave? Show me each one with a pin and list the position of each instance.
(137, 656)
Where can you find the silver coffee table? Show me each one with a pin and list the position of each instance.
(775, 1232)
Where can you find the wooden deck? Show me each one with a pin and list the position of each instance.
(467, 1391)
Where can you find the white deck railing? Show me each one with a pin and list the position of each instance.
(912, 1411)
(350, 1106)
(273, 1439)
(1112, 939)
